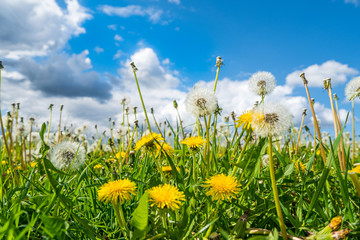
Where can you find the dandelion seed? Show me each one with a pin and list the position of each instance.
(352, 89)
(166, 196)
(66, 154)
(201, 102)
(262, 83)
(117, 192)
(271, 119)
(222, 187)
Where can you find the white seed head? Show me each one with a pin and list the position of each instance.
(125, 101)
(271, 119)
(225, 118)
(352, 89)
(265, 160)
(201, 102)
(67, 154)
(121, 131)
(262, 83)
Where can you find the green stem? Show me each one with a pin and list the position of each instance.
(275, 191)
(248, 138)
(142, 102)
(121, 219)
(353, 131)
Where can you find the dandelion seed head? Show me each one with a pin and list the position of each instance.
(201, 102)
(352, 89)
(271, 119)
(66, 154)
(262, 83)
(225, 118)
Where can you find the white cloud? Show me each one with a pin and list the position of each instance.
(98, 49)
(119, 38)
(174, 1)
(35, 28)
(355, 2)
(118, 54)
(315, 74)
(112, 26)
(133, 10)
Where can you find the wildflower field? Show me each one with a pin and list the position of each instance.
(251, 176)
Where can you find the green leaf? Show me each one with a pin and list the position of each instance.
(140, 217)
(289, 169)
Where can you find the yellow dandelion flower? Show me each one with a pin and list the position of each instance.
(168, 169)
(335, 223)
(355, 170)
(3, 163)
(166, 196)
(165, 148)
(245, 119)
(302, 166)
(193, 142)
(122, 155)
(148, 140)
(33, 164)
(111, 160)
(18, 168)
(222, 187)
(97, 166)
(117, 191)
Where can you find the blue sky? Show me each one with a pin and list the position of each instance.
(76, 53)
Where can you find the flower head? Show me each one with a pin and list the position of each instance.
(245, 119)
(201, 102)
(335, 223)
(355, 170)
(352, 89)
(67, 154)
(166, 196)
(193, 142)
(271, 119)
(164, 148)
(222, 187)
(168, 169)
(117, 191)
(97, 166)
(262, 83)
(148, 140)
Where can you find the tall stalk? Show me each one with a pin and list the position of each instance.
(353, 132)
(301, 126)
(275, 191)
(61, 109)
(132, 64)
(322, 150)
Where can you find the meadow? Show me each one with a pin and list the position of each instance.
(252, 176)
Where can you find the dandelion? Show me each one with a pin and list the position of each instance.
(164, 148)
(355, 170)
(262, 83)
(166, 196)
(33, 164)
(125, 101)
(97, 167)
(67, 154)
(352, 89)
(222, 187)
(271, 119)
(121, 132)
(112, 160)
(193, 142)
(117, 192)
(168, 169)
(245, 120)
(148, 141)
(201, 102)
(335, 223)
(225, 118)
(265, 160)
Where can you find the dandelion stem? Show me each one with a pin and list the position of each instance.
(248, 138)
(142, 101)
(316, 125)
(275, 191)
(301, 127)
(61, 108)
(353, 132)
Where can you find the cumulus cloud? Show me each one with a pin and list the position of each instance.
(35, 28)
(98, 49)
(315, 74)
(153, 14)
(174, 1)
(355, 2)
(65, 75)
